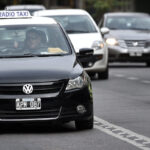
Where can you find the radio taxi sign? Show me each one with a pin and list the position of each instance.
(14, 14)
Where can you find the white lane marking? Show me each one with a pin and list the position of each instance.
(133, 78)
(140, 141)
(119, 75)
(146, 81)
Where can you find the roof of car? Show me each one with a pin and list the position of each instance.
(27, 21)
(55, 12)
(12, 7)
(126, 14)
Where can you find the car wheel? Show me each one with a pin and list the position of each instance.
(104, 75)
(148, 64)
(92, 75)
(84, 124)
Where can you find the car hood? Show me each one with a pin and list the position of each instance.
(84, 40)
(38, 69)
(130, 34)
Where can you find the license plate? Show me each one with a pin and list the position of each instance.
(135, 54)
(28, 104)
(135, 51)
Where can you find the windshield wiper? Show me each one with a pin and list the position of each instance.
(30, 55)
(18, 56)
(76, 31)
(12, 56)
(47, 55)
(139, 29)
(114, 29)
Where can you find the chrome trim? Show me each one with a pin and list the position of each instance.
(29, 96)
(32, 119)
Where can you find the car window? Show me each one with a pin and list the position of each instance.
(34, 39)
(128, 22)
(76, 23)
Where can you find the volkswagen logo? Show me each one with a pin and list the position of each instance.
(135, 43)
(27, 88)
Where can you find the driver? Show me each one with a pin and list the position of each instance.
(33, 39)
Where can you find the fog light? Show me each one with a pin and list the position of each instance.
(81, 109)
(90, 64)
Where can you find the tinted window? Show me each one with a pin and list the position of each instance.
(76, 23)
(128, 22)
(35, 39)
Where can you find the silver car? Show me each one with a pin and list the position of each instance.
(127, 36)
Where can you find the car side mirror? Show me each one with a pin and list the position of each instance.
(104, 30)
(86, 51)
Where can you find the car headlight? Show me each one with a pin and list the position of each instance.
(76, 83)
(97, 45)
(111, 41)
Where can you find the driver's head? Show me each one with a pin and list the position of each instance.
(33, 39)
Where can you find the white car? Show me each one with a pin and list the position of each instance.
(84, 33)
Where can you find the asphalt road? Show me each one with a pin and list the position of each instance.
(122, 118)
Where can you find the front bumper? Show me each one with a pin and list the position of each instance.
(117, 53)
(95, 63)
(60, 108)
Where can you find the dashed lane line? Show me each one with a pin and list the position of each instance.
(133, 78)
(145, 81)
(139, 141)
(119, 75)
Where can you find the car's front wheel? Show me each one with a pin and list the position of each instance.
(148, 64)
(84, 124)
(104, 74)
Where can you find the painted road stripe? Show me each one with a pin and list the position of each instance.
(119, 75)
(146, 81)
(140, 141)
(133, 78)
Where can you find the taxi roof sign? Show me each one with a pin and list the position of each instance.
(14, 14)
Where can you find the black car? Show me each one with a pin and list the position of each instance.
(41, 78)
(127, 36)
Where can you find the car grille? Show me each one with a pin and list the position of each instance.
(38, 88)
(67, 112)
(50, 109)
(53, 113)
(135, 43)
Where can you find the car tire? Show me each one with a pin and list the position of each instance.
(84, 124)
(147, 64)
(104, 75)
(92, 75)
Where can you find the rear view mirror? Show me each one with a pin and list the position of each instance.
(86, 51)
(104, 30)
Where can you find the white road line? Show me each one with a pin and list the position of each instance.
(140, 141)
(119, 75)
(146, 81)
(133, 78)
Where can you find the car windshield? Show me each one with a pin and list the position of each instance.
(76, 23)
(128, 22)
(32, 40)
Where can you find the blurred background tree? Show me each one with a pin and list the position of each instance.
(98, 7)
(95, 7)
